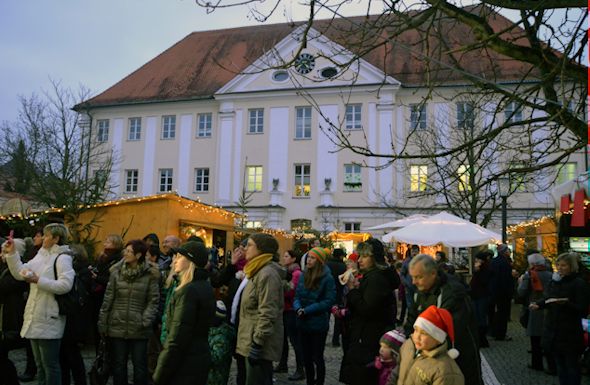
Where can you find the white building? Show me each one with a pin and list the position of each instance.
(210, 118)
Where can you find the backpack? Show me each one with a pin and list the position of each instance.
(73, 301)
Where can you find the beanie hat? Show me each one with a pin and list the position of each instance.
(393, 339)
(438, 323)
(319, 253)
(220, 310)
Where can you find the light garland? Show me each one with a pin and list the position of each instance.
(530, 223)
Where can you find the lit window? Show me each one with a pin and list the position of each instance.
(418, 116)
(169, 127)
(165, 179)
(465, 115)
(302, 180)
(352, 227)
(565, 172)
(303, 123)
(353, 117)
(131, 180)
(256, 121)
(205, 124)
(103, 130)
(201, 179)
(513, 113)
(134, 129)
(352, 177)
(418, 177)
(464, 175)
(254, 178)
(253, 224)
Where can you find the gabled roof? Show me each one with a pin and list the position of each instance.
(203, 62)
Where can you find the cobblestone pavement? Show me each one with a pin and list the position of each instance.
(503, 363)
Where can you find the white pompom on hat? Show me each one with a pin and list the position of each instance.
(438, 323)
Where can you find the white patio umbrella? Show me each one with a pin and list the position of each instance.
(403, 222)
(444, 228)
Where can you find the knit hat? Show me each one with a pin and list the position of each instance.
(220, 310)
(196, 252)
(438, 323)
(393, 339)
(319, 253)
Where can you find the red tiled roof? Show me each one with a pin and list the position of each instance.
(201, 63)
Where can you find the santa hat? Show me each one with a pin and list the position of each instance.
(438, 323)
(393, 339)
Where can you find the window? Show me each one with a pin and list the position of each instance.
(103, 130)
(300, 224)
(465, 115)
(253, 224)
(256, 121)
(513, 113)
(131, 179)
(328, 72)
(302, 180)
(134, 129)
(418, 177)
(280, 76)
(165, 179)
(352, 177)
(353, 117)
(204, 122)
(565, 172)
(418, 116)
(303, 123)
(464, 175)
(254, 178)
(352, 227)
(169, 127)
(201, 179)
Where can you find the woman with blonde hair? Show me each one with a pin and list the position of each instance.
(185, 358)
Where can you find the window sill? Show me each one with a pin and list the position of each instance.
(301, 138)
(301, 197)
(168, 138)
(201, 192)
(352, 191)
(203, 137)
(254, 133)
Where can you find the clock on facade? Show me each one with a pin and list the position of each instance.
(304, 63)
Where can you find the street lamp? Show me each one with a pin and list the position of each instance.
(504, 191)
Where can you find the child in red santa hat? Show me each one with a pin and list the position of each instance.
(425, 358)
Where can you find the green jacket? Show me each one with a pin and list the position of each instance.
(261, 313)
(428, 368)
(221, 343)
(129, 307)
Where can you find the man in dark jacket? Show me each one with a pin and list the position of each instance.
(337, 267)
(502, 288)
(434, 287)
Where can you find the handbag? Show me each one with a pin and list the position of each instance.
(101, 369)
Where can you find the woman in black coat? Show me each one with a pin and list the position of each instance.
(566, 304)
(371, 302)
(185, 358)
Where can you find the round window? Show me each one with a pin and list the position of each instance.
(329, 72)
(280, 76)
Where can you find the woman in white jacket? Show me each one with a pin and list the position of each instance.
(43, 325)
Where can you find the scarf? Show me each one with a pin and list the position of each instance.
(130, 274)
(256, 264)
(536, 283)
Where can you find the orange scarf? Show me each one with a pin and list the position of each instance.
(536, 283)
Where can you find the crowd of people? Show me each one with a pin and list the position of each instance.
(182, 316)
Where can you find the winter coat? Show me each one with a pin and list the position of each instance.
(316, 303)
(433, 367)
(78, 328)
(12, 305)
(534, 326)
(450, 294)
(372, 314)
(185, 357)
(563, 332)
(261, 313)
(291, 285)
(129, 307)
(480, 284)
(502, 282)
(337, 267)
(42, 319)
(221, 343)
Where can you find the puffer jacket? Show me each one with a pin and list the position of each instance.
(129, 308)
(185, 358)
(448, 293)
(42, 319)
(434, 367)
(261, 313)
(316, 303)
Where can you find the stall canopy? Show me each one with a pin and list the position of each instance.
(403, 222)
(444, 228)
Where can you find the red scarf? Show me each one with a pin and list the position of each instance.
(536, 283)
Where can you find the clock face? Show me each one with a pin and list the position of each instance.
(304, 63)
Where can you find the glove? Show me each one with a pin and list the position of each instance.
(334, 310)
(255, 356)
(301, 312)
